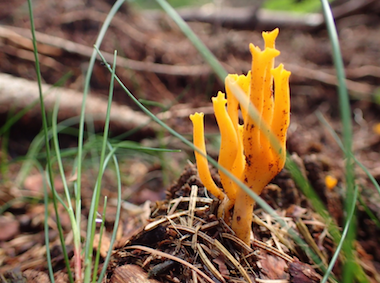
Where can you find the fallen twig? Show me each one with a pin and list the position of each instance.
(18, 93)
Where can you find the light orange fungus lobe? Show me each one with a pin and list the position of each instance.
(331, 182)
(254, 152)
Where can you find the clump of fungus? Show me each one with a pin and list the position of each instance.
(246, 150)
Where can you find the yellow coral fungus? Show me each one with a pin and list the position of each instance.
(202, 164)
(330, 182)
(246, 150)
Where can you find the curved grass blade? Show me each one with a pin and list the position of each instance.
(344, 234)
(351, 269)
(118, 210)
(68, 206)
(96, 195)
(46, 230)
(99, 40)
(97, 257)
(45, 129)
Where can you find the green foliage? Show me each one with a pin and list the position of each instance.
(149, 4)
(299, 6)
(307, 6)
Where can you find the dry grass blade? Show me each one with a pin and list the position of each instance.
(276, 232)
(154, 224)
(186, 199)
(208, 263)
(210, 225)
(173, 205)
(272, 281)
(194, 241)
(192, 204)
(169, 256)
(237, 241)
(258, 244)
(195, 277)
(272, 250)
(194, 231)
(228, 255)
(309, 239)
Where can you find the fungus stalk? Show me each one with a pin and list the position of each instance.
(247, 150)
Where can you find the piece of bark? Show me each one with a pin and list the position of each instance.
(17, 93)
(302, 272)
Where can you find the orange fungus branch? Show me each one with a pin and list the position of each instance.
(247, 150)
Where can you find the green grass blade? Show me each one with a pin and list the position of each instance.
(351, 269)
(46, 232)
(97, 257)
(60, 230)
(369, 212)
(118, 210)
(45, 129)
(128, 145)
(344, 234)
(4, 169)
(344, 102)
(68, 207)
(99, 40)
(58, 154)
(94, 206)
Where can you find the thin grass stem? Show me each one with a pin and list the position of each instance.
(99, 40)
(68, 207)
(110, 155)
(46, 230)
(351, 269)
(97, 190)
(101, 230)
(45, 129)
(344, 234)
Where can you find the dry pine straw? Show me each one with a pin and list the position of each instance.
(185, 242)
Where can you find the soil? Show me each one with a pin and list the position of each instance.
(157, 228)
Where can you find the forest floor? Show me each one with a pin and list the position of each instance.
(165, 68)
